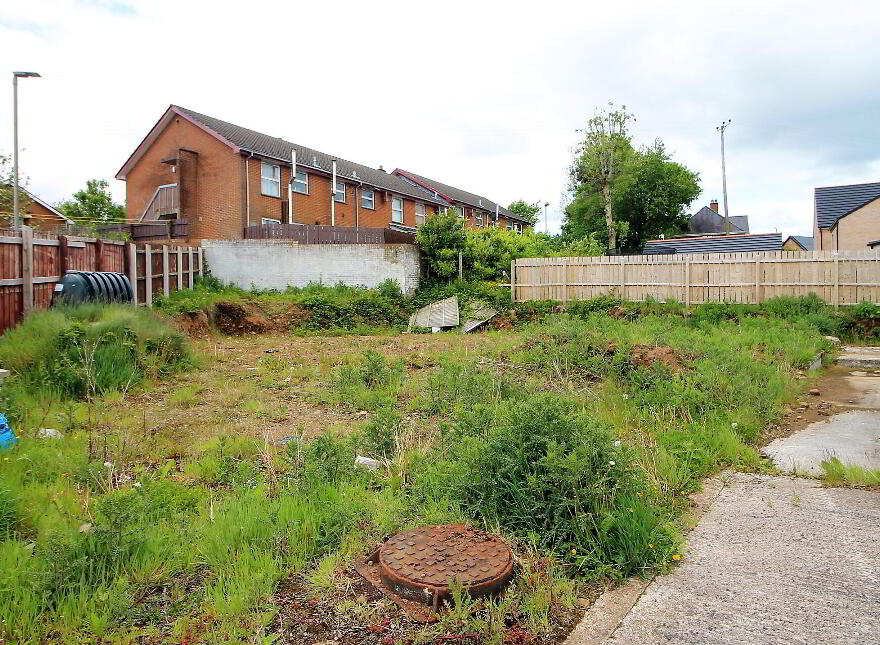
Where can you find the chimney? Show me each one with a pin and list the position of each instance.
(381, 169)
(714, 205)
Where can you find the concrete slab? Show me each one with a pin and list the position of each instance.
(774, 560)
(853, 437)
(859, 357)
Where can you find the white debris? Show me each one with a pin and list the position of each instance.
(365, 462)
(833, 339)
(49, 433)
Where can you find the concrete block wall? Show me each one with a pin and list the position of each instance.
(278, 264)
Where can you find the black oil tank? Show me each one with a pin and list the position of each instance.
(77, 287)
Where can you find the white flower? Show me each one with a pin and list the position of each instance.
(108, 464)
(137, 484)
(734, 425)
(611, 463)
(625, 396)
(617, 444)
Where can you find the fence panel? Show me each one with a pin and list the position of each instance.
(319, 234)
(31, 265)
(838, 277)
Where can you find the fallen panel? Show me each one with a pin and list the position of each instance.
(480, 317)
(440, 314)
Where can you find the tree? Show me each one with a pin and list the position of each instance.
(441, 238)
(600, 158)
(6, 197)
(650, 196)
(526, 210)
(93, 205)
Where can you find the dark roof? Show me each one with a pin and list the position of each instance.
(804, 241)
(716, 244)
(707, 220)
(274, 148)
(458, 195)
(834, 202)
(874, 244)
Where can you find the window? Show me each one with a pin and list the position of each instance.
(478, 218)
(269, 220)
(339, 195)
(270, 179)
(368, 198)
(301, 182)
(420, 214)
(459, 211)
(397, 210)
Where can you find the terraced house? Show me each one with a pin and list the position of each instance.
(477, 211)
(222, 178)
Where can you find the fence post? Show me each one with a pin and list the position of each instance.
(166, 287)
(192, 268)
(564, 279)
(27, 270)
(758, 280)
(99, 254)
(179, 268)
(513, 281)
(687, 280)
(836, 290)
(622, 277)
(201, 264)
(460, 266)
(131, 269)
(148, 275)
(63, 254)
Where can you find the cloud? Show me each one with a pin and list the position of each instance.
(482, 95)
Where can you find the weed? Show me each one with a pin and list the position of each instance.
(836, 473)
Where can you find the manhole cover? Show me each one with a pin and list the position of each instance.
(420, 564)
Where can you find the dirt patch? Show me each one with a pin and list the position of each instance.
(194, 324)
(235, 319)
(645, 356)
(618, 312)
(289, 316)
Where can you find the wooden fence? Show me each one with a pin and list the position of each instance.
(316, 234)
(838, 277)
(32, 262)
(149, 230)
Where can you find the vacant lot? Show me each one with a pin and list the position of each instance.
(209, 494)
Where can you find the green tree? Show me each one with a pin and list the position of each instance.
(600, 158)
(441, 238)
(93, 205)
(525, 209)
(650, 197)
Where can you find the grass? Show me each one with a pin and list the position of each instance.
(836, 473)
(170, 513)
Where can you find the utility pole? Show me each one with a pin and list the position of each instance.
(16, 219)
(721, 128)
(546, 225)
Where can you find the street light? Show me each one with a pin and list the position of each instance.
(721, 128)
(16, 220)
(546, 226)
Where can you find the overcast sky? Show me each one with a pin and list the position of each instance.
(484, 96)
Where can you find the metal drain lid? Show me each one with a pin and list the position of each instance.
(420, 564)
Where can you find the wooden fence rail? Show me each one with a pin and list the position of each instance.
(318, 234)
(838, 277)
(32, 262)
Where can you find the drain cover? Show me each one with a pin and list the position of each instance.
(419, 565)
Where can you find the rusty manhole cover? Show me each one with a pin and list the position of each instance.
(418, 566)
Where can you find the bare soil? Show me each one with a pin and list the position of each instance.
(646, 356)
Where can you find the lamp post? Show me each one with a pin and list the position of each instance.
(721, 128)
(16, 220)
(546, 225)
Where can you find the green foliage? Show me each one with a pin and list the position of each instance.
(836, 473)
(441, 238)
(93, 205)
(380, 433)
(89, 350)
(527, 210)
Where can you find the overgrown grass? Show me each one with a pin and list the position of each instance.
(836, 473)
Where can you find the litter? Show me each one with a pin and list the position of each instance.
(365, 462)
(7, 434)
(49, 433)
(478, 318)
(438, 316)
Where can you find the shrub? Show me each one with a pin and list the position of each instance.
(380, 433)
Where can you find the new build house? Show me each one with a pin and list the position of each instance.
(846, 218)
(477, 211)
(222, 178)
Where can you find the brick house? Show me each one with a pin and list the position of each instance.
(798, 243)
(709, 220)
(36, 213)
(846, 218)
(477, 211)
(223, 178)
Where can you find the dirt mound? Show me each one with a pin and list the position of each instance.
(234, 319)
(618, 312)
(646, 356)
(194, 324)
(289, 316)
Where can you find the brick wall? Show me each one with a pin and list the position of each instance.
(853, 232)
(42, 219)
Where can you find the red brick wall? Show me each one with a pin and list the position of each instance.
(42, 219)
(214, 206)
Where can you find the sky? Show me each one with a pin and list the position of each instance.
(486, 96)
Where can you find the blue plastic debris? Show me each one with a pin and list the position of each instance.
(7, 435)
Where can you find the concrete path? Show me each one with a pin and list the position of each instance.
(774, 559)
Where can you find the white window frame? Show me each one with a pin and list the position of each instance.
(270, 220)
(478, 218)
(460, 211)
(420, 217)
(301, 182)
(274, 179)
(372, 199)
(400, 199)
(338, 190)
